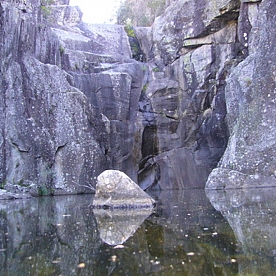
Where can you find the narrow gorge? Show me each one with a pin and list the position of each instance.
(185, 102)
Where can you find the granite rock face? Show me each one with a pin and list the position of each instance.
(74, 101)
(250, 98)
(69, 97)
(194, 48)
(49, 135)
(185, 21)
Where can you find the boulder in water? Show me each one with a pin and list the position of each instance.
(116, 190)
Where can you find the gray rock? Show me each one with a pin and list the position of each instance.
(185, 19)
(250, 100)
(116, 190)
(74, 102)
(5, 195)
(233, 179)
(183, 103)
(66, 96)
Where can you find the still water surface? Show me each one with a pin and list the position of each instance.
(190, 233)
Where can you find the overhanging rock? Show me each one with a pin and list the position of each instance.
(116, 190)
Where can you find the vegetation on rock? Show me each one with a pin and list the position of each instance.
(140, 12)
(46, 7)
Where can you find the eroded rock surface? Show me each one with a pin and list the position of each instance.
(194, 48)
(69, 98)
(74, 101)
(250, 98)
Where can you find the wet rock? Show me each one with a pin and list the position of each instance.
(115, 189)
(117, 226)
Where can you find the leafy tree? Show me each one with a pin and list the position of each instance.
(140, 12)
(45, 6)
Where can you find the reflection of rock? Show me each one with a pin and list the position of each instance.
(251, 215)
(44, 234)
(115, 189)
(116, 226)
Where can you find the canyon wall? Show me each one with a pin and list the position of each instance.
(159, 104)
(249, 160)
(68, 91)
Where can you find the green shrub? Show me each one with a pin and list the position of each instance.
(129, 30)
(61, 50)
(45, 6)
(2, 185)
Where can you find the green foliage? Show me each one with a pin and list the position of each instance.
(61, 50)
(140, 12)
(2, 185)
(133, 41)
(124, 13)
(129, 29)
(145, 87)
(144, 68)
(45, 191)
(45, 6)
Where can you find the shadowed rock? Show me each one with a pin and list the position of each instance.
(249, 159)
(116, 190)
(117, 226)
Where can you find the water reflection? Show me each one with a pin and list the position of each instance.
(116, 226)
(251, 215)
(185, 236)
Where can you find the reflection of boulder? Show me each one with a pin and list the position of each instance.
(116, 226)
(251, 215)
(116, 190)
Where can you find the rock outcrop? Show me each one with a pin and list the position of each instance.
(211, 76)
(249, 160)
(69, 97)
(74, 101)
(115, 190)
(194, 47)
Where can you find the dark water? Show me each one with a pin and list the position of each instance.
(231, 233)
